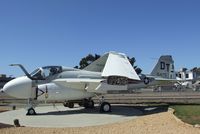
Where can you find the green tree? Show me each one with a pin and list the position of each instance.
(85, 61)
(132, 62)
(138, 70)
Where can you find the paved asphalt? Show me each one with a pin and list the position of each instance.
(59, 116)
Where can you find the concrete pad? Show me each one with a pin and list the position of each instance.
(59, 116)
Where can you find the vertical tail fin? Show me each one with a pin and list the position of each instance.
(164, 67)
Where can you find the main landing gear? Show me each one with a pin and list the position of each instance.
(104, 106)
(89, 103)
(68, 104)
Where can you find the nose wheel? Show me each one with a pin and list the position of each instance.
(31, 111)
(31, 104)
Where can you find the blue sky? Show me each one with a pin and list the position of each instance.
(60, 32)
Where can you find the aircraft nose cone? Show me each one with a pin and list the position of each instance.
(8, 87)
(19, 87)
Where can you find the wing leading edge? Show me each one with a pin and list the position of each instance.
(89, 85)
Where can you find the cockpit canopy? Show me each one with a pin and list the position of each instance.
(45, 72)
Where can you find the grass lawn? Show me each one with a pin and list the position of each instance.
(188, 113)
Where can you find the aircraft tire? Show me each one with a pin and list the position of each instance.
(89, 104)
(81, 104)
(31, 111)
(71, 105)
(105, 107)
(65, 104)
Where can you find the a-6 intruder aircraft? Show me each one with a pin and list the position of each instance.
(112, 71)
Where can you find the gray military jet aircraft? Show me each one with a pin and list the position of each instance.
(112, 71)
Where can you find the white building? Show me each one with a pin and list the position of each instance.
(191, 77)
(185, 74)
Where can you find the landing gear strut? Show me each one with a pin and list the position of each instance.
(88, 103)
(31, 110)
(104, 106)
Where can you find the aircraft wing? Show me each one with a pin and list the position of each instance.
(151, 81)
(117, 64)
(113, 64)
(79, 83)
(164, 81)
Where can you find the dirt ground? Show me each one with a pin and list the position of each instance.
(161, 123)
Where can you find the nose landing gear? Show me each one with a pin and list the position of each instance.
(31, 110)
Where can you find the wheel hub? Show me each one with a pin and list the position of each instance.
(106, 108)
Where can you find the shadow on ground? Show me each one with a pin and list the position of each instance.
(121, 110)
(116, 110)
(5, 125)
(148, 110)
